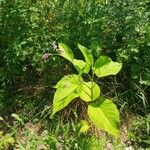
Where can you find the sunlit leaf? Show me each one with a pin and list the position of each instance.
(68, 80)
(66, 52)
(89, 91)
(87, 54)
(83, 126)
(104, 66)
(81, 66)
(104, 114)
(67, 90)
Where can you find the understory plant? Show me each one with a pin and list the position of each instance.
(101, 111)
(140, 131)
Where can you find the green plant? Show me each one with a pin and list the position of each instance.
(102, 112)
(22, 135)
(29, 139)
(6, 140)
(119, 29)
(140, 131)
(68, 136)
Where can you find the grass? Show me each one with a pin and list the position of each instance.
(55, 134)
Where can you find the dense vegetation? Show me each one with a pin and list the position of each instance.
(30, 67)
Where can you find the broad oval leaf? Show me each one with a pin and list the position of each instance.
(69, 80)
(89, 91)
(87, 54)
(104, 66)
(81, 66)
(68, 88)
(62, 99)
(104, 114)
(66, 52)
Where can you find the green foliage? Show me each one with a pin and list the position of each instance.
(104, 115)
(140, 131)
(90, 91)
(66, 52)
(87, 55)
(83, 126)
(68, 88)
(6, 140)
(104, 66)
(15, 116)
(31, 140)
(119, 29)
(70, 136)
(81, 66)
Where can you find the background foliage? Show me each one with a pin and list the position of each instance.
(117, 28)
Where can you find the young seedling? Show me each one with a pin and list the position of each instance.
(101, 111)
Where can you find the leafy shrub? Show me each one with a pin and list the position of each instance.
(101, 111)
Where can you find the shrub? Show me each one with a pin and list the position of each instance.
(101, 111)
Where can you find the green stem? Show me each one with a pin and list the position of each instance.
(92, 85)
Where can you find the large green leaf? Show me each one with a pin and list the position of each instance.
(66, 52)
(81, 66)
(87, 54)
(104, 115)
(104, 66)
(69, 80)
(68, 88)
(89, 91)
